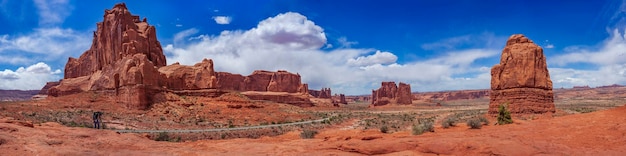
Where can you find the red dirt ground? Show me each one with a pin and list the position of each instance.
(596, 133)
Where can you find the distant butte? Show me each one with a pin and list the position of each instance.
(126, 61)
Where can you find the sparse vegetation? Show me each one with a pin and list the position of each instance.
(308, 134)
(449, 122)
(384, 129)
(474, 124)
(504, 116)
(426, 126)
(483, 120)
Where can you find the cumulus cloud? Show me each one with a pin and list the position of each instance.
(222, 19)
(45, 43)
(290, 41)
(377, 58)
(28, 78)
(52, 11)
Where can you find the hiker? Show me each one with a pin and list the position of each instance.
(97, 120)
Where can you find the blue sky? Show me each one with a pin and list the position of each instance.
(350, 46)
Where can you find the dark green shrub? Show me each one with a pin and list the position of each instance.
(474, 124)
(504, 116)
(308, 134)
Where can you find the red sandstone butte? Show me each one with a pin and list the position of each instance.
(521, 79)
(389, 93)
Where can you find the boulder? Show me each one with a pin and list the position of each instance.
(521, 79)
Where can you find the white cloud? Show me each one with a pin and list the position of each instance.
(611, 51)
(549, 46)
(30, 78)
(222, 19)
(45, 43)
(184, 34)
(609, 58)
(377, 58)
(291, 42)
(343, 41)
(52, 12)
(483, 40)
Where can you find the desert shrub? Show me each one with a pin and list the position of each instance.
(384, 129)
(474, 124)
(163, 136)
(308, 134)
(504, 116)
(448, 122)
(483, 120)
(423, 127)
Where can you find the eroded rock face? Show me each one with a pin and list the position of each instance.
(389, 93)
(521, 79)
(126, 60)
(199, 76)
(324, 93)
(44, 90)
(119, 35)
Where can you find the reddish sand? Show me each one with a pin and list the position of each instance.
(596, 133)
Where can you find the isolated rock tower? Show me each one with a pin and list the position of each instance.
(521, 79)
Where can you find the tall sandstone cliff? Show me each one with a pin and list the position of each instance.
(521, 79)
(119, 35)
(126, 60)
(389, 93)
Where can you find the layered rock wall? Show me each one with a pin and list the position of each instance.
(521, 79)
(390, 93)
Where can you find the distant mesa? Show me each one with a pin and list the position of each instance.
(521, 79)
(126, 60)
(324, 93)
(389, 93)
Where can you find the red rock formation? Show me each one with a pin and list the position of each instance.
(342, 99)
(452, 95)
(119, 35)
(127, 59)
(521, 79)
(44, 90)
(404, 95)
(389, 93)
(324, 93)
(199, 76)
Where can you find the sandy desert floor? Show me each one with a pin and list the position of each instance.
(60, 127)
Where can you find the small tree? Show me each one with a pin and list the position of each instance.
(504, 116)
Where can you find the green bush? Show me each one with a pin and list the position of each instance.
(308, 134)
(384, 129)
(448, 122)
(423, 127)
(504, 116)
(474, 124)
